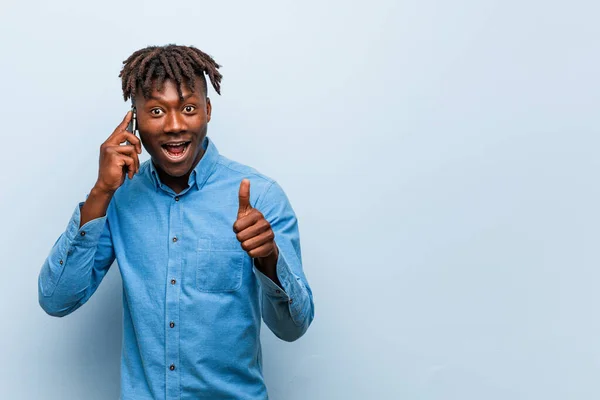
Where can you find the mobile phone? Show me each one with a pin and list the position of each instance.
(132, 127)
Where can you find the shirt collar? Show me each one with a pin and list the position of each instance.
(202, 170)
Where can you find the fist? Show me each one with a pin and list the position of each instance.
(252, 229)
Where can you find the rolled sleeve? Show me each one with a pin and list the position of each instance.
(292, 288)
(76, 264)
(287, 310)
(89, 234)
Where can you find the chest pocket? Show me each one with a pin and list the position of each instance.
(220, 264)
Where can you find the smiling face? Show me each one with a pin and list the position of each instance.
(172, 130)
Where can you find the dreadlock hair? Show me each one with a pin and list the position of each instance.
(148, 69)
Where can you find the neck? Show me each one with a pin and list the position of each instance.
(176, 183)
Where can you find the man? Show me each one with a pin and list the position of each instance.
(205, 246)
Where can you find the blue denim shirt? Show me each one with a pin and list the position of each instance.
(192, 298)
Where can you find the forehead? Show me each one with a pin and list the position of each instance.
(169, 90)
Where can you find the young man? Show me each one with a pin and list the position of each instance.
(205, 246)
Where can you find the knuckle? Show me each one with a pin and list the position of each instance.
(108, 154)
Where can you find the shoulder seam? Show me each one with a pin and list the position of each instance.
(260, 198)
(255, 173)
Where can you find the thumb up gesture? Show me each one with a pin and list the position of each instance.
(254, 232)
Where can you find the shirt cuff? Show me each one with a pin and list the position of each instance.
(89, 234)
(291, 290)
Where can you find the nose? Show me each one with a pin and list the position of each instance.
(174, 123)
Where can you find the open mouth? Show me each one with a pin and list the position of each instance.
(176, 151)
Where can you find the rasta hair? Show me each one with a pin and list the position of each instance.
(148, 69)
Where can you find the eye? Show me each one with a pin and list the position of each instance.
(156, 112)
(189, 109)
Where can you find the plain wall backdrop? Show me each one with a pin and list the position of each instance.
(442, 158)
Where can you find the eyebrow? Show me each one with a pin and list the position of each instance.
(160, 99)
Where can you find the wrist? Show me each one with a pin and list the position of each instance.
(268, 265)
(271, 259)
(100, 190)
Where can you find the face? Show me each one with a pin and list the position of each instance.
(172, 130)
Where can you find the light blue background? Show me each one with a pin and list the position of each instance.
(441, 156)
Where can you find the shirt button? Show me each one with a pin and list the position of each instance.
(278, 291)
(61, 262)
(82, 233)
(177, 198)
(172, 367)
(172, 324)
(173, 281)
(174, 239)
(291, 301)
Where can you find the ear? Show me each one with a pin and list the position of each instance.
(208, 109)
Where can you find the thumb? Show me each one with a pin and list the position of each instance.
(244, 197)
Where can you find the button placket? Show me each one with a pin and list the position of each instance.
(172, 342)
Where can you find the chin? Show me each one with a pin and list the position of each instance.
(177, 167)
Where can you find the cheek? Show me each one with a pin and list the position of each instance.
(197, 124)
(149, 124)
(150, 144)
(150, 131)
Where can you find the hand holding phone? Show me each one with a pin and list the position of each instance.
(119, 160)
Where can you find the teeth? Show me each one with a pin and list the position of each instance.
(175, 144)
(173, 155)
